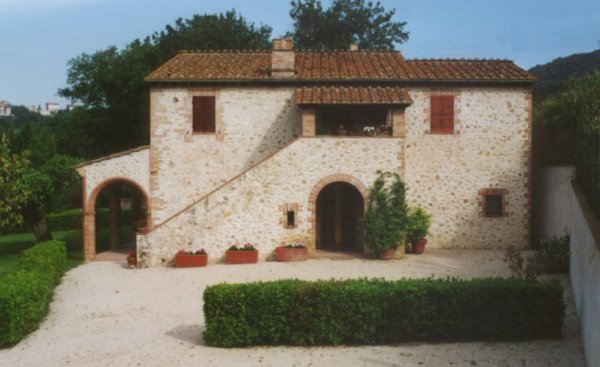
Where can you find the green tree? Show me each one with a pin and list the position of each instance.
(577, 107)
(14, 192)
(109, 83)
(367, 24)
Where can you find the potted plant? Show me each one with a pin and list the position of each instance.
(417, 227)
(186, 259)
(293, 251)
(385, 218)
(246, 254)
(132, 259)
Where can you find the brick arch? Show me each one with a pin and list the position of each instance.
(314, 194)
(89, 212)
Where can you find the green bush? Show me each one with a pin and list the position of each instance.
(554, 254)
(522, 266)
(26, 293)
(294, 312)
(49, 257)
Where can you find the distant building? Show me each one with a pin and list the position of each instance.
(49, 109)
(4, 108)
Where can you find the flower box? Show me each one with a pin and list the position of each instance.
(246, 254)
(241, 257)
(188, 259)
(283, 253)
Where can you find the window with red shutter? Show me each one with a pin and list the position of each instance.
(442, 114)
(203, 114)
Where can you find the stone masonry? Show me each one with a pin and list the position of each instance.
(489, 149)
(199, 199)
(246, 209)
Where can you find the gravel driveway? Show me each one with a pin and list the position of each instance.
(104, 314)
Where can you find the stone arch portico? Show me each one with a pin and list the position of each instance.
(89, 213)
(131, 167)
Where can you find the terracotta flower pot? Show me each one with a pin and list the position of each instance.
(418, 246)
(387, 254)
(241, 257)
(132, 260)
(291, 254)
(190, 260)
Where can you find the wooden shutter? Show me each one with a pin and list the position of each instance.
(203, 114)
(442, 114)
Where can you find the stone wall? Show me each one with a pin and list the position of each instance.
(490, 148)
(585, 273)
(130, 166)
(248, 207)
(555, 204)
(251, 123)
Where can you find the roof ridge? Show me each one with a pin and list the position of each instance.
(462, 59)
(226, 51)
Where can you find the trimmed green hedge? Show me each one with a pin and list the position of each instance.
(294, 312)
(73, 219)
(26, 293)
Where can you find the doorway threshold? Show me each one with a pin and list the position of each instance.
(321, 254)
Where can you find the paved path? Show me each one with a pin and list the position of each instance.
(107, 315)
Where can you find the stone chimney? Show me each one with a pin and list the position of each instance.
(353, 47)
(282, 58)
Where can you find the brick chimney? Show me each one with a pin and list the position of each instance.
(282, 58)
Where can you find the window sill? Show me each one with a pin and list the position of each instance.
(213, 133)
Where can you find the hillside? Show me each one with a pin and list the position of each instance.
(555, 75)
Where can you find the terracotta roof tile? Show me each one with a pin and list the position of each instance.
(333, 66)
(352, 95)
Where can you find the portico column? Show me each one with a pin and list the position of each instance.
(89, 235)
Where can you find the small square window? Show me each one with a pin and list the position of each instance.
(493, 205)
(291, 218)
(493, 202)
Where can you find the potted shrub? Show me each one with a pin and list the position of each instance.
(385, 218)
(246, 254)
(293, 251)
(186, 259)
(417, 227)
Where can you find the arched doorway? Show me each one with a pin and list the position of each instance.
(116, 210)
(339, 209)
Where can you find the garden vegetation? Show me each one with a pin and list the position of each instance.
(25, 293)
(295, 312)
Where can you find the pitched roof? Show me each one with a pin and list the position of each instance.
(332, 66)
(352, 95)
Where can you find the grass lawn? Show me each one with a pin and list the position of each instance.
(12, 245)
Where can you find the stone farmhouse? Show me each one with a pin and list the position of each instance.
(272, 146)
